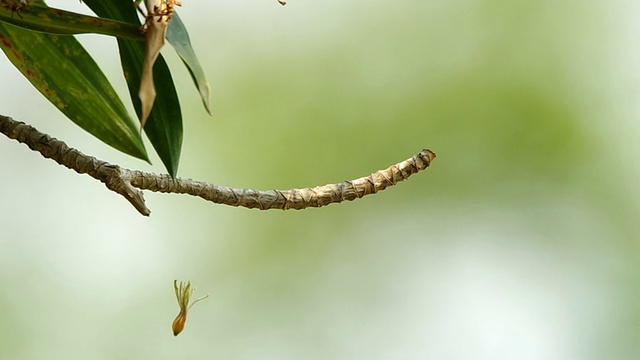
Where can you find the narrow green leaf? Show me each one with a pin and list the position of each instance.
(61, 69)
(164, 126)
(42, 18)
(178, 37)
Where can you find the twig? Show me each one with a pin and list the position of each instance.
(129, 183)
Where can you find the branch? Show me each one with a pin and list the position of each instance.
(129, 183)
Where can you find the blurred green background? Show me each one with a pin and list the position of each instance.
(520, 242)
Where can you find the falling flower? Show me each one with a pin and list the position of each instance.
(183, 294)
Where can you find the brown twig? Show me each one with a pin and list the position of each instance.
(129, 183)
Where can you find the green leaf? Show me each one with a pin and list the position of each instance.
(42, 18)
(61, 69)
(164, 126)
(178, 37)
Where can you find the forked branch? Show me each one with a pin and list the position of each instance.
(129, 183)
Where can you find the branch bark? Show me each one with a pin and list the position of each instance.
(129, 183)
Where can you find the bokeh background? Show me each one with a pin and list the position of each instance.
(520, 242)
